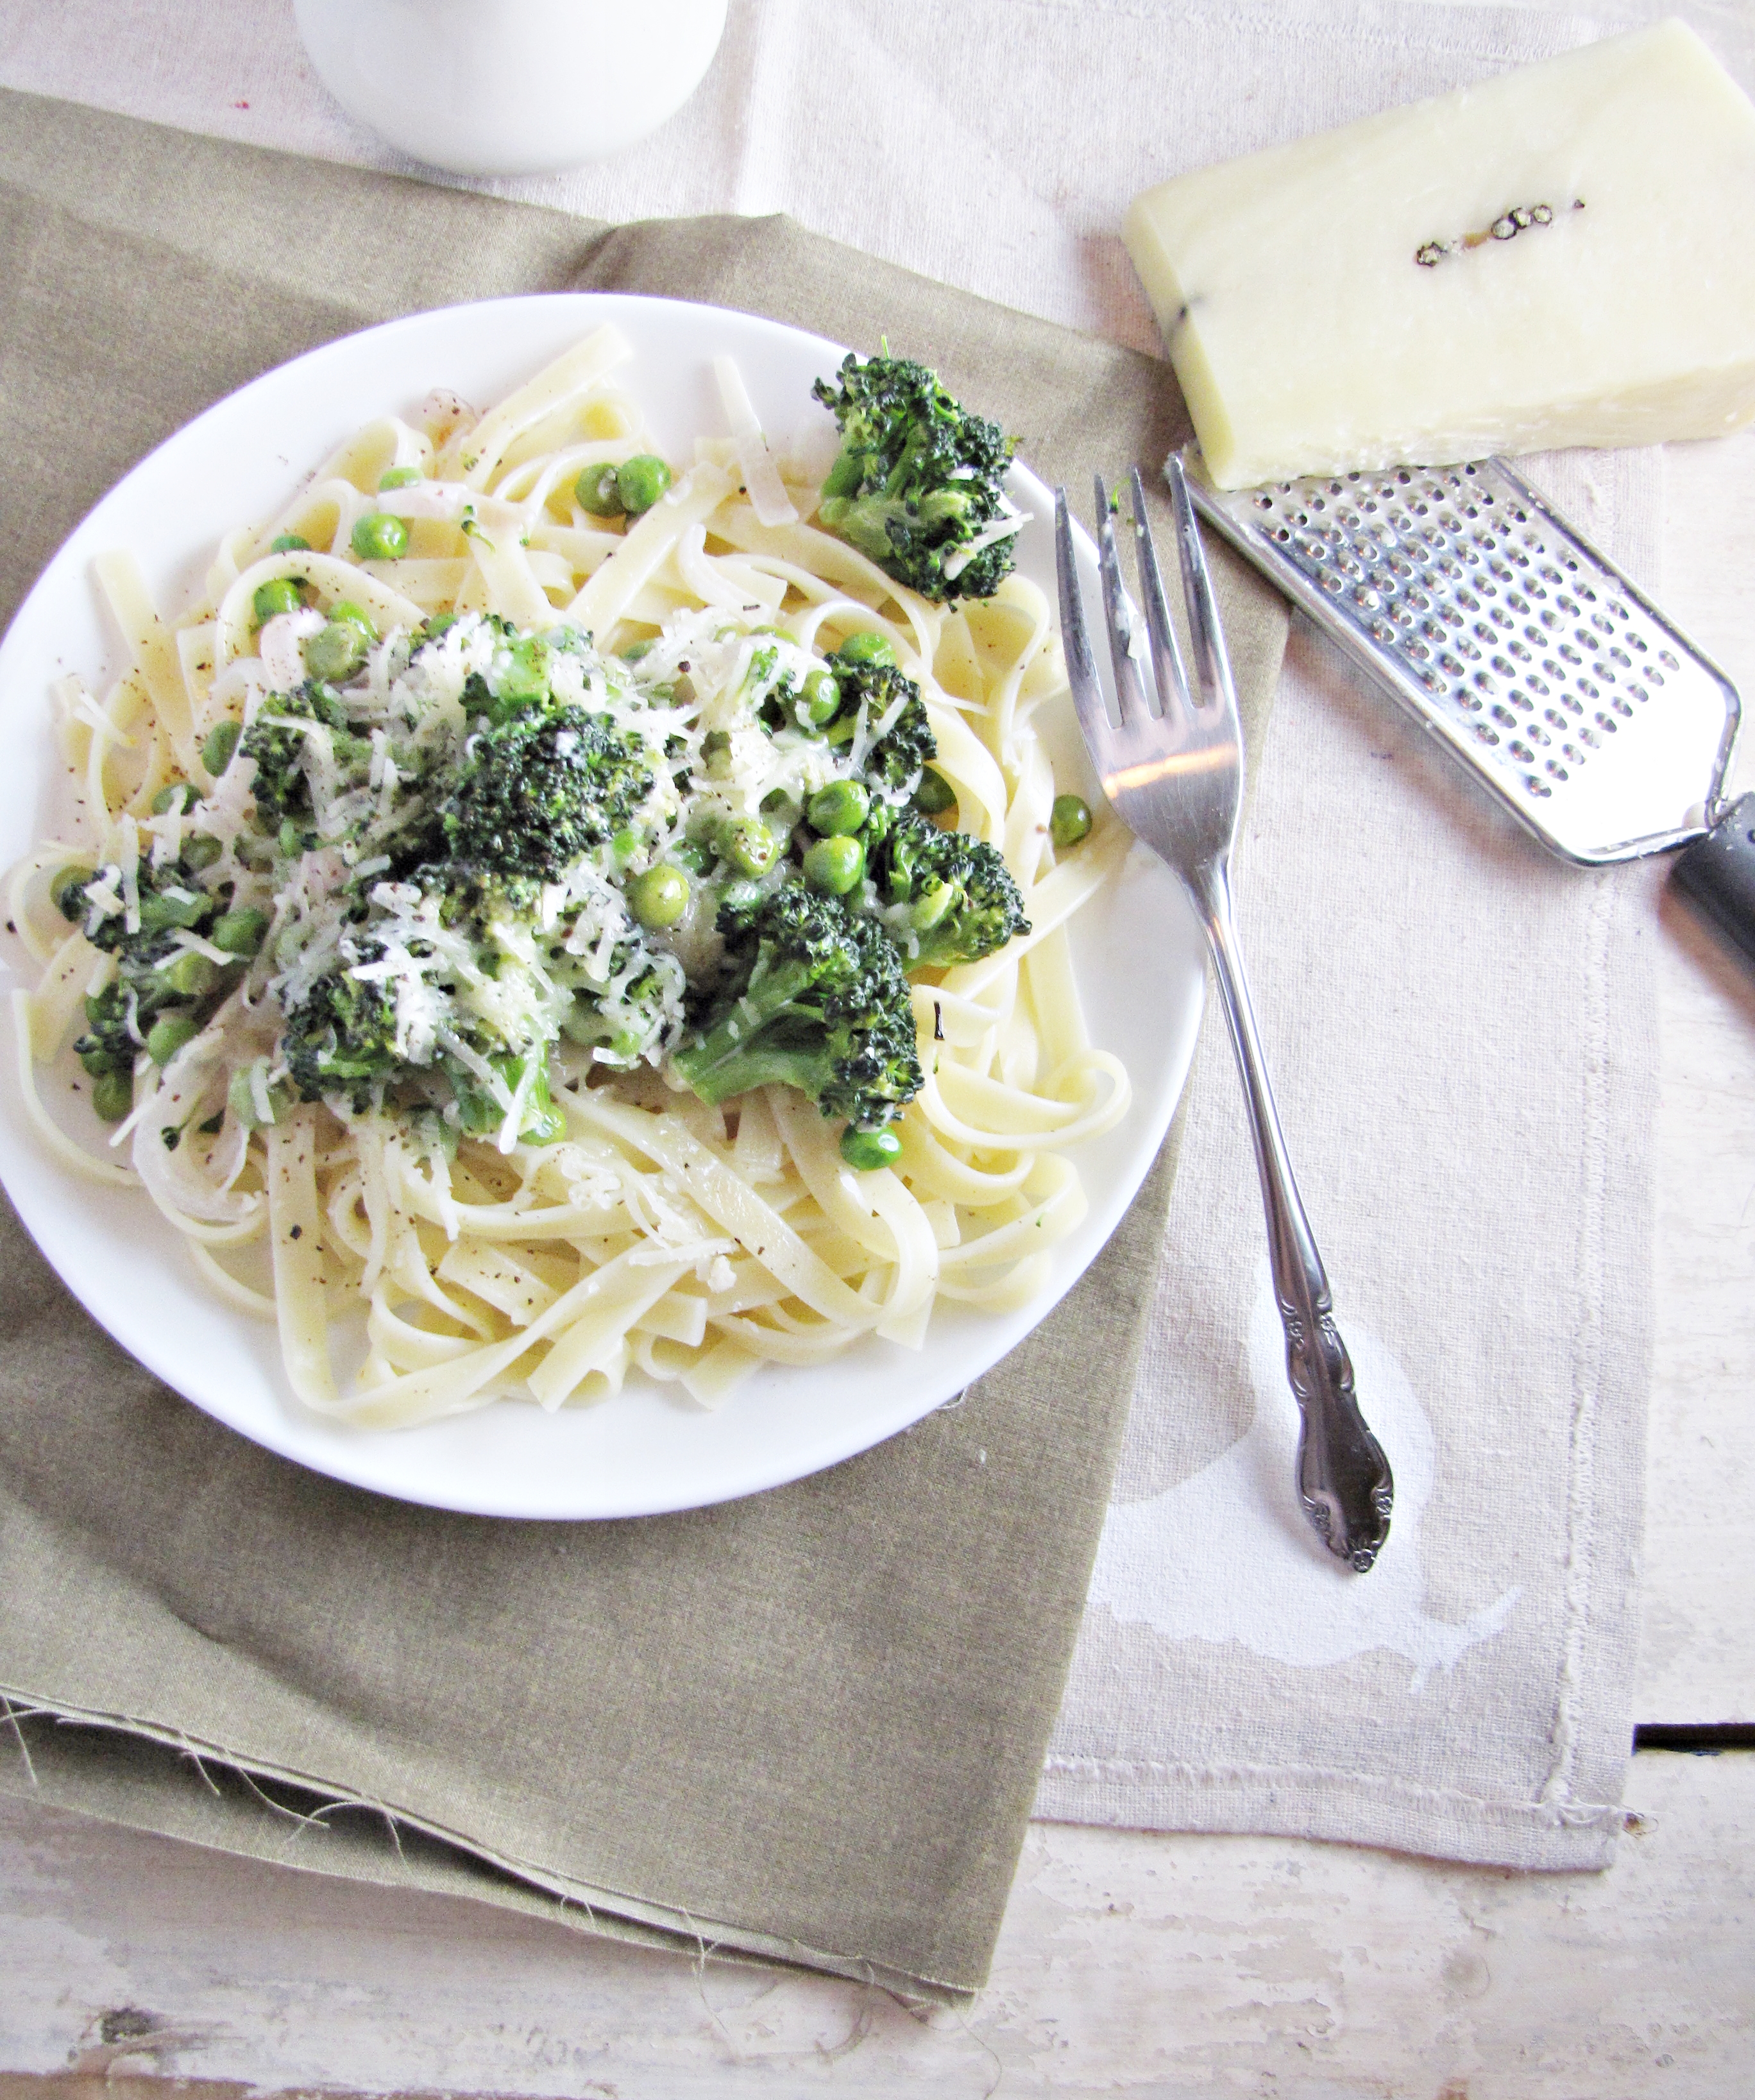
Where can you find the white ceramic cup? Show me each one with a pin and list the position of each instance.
(511, 87)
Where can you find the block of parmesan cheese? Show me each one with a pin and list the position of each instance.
(1562, 256)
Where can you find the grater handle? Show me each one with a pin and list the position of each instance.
(1344, 1477)
(1718, 873)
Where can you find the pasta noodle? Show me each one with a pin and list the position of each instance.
(642, 1233)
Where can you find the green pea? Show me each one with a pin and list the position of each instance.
(400, 477)
(583, 1024)
(835, 865)
(336, 652)
(189, 975)
(289, 543)
(104, 1058)
(640, 481)
(201, 851)
(524, 677)
(867, 1150)
(741, 897)
(659, 896)
(934, 795)
(867, 647)
(598, 490)
(477, 1112)
(220, 745)
(822, 699)
(695, 855)
(379, 537)
(749, 845)
(356, 615)
(279, 594)
(159, 914)
(112, 1095)
(168, 1034)
(1069, 819)
(67, 891)
(240, 933)
(841, 806)
(174, 795)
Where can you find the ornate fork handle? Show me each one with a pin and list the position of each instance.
(1344, 1477)
(1176, 777)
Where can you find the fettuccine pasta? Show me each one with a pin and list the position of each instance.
(559, 1221)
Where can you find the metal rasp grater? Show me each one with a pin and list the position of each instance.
(1556, 682)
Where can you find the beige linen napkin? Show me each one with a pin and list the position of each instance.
(807, 1725)
(1463, 1033)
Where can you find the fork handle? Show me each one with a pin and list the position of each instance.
(1343, 1478)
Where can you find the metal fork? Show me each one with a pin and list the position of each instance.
(1176, 780)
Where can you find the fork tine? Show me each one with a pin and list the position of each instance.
(1206, 637)
(1075, 637)
(1123, 621)
(1173, 693)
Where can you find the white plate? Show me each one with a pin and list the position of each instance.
(1139, 968)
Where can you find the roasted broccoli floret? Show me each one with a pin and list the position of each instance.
(164, 992)
(538, 791)
(877, 697)
(342, 1036)
(626, 1016)
(107, 1045)
(340, 1039)
(518, 680)
(917, 479)
(282, 787)
(820, 1003)
(962, 901)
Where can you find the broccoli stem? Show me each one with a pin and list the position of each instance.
(745, 1049)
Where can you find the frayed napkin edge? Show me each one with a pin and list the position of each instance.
(580, 1906)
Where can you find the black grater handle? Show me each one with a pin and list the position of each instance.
(1718, 873)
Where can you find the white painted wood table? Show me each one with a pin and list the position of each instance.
(1129, 1963)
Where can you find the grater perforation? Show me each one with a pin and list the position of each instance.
(1509, 637)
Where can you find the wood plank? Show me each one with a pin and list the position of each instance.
(1128, 1964)
(1697, 1657)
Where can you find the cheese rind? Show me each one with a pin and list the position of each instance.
(1562, 256)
